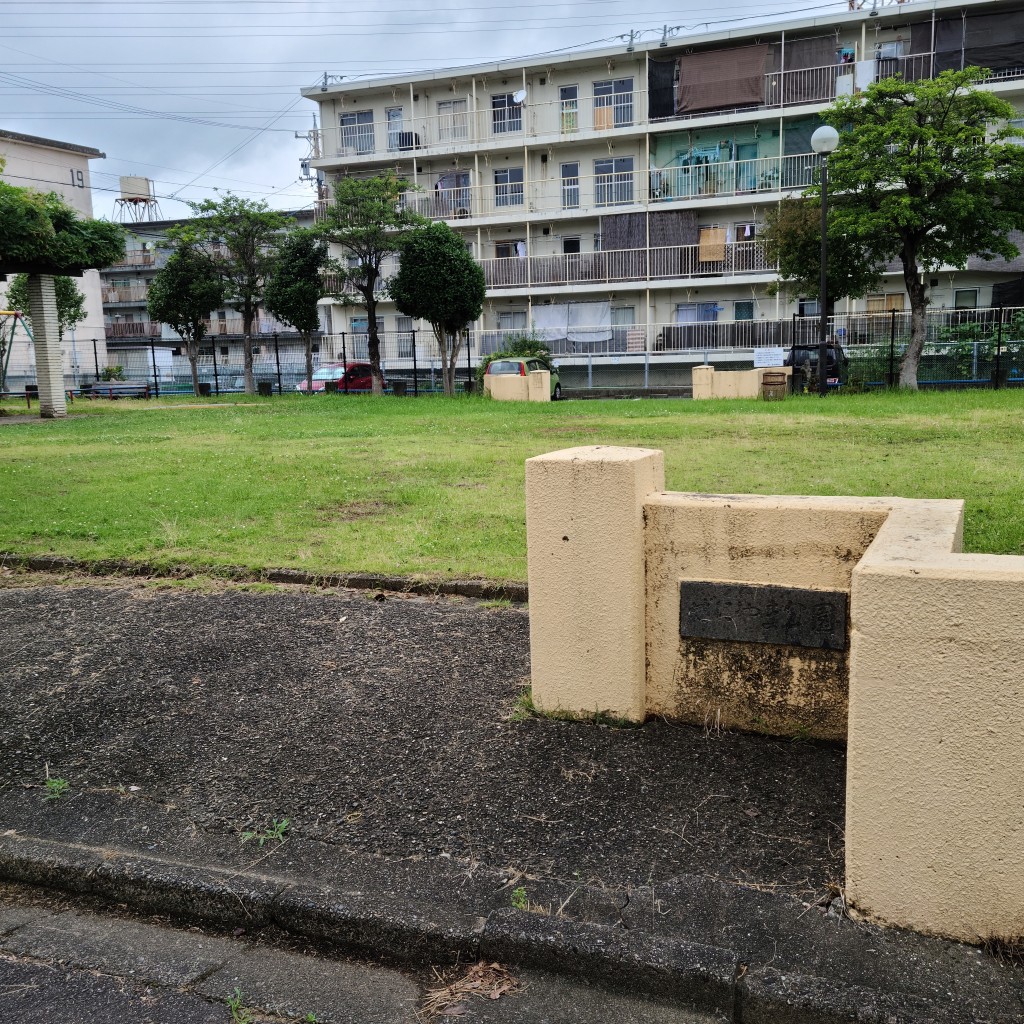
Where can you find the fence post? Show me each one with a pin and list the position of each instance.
(96, 358)
(216, 375)
(469, 365)
(647, 369)
(277, 361)
(792, 353)
(156, 379)
(999, 351)
(590, 371)
(344, 363)
(892, 348)
(415, 374)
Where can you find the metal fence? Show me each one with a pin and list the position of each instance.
(964, 348)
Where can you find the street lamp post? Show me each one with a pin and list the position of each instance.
(824, 141)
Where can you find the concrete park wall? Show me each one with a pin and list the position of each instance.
(534, 387)
(829, 617)
(711, 383)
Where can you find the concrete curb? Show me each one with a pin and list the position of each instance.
(487, 590)
(707, 978)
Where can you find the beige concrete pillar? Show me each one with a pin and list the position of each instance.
(539, 386)
(585, 551)
(46, 340)
(935, 758)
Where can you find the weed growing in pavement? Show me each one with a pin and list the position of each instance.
(1009, 951)
(55, 788)
(275, 831)
(525, 708)
(239, 1013)
(496, 602)
(519, 899)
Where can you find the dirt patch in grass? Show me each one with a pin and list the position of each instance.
(353, 511)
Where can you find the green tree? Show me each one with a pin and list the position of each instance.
(440, 282)
(791, 238)
(42, 234)
(70, 301)
(367, 220)
(240, 237)
(926, 172)
(296, 285)
(182, 295)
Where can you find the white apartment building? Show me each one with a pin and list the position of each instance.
(614, 197)
(62, 167)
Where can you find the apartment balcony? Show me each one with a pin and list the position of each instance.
(716, 259)
(135, 258)
(460, 127)
(598, 193)
(124, 294)
(235, 327)
(138, 330)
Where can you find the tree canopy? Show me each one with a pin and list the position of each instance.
(791, 238)
(929, 173)
(369, 222)
(182, 295)
(70, 301)
(40, 233)
(440, 282)
(296, 285)
(240, 238)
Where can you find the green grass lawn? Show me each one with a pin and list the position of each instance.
(434, 487)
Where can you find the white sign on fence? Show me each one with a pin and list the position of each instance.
(769, 357)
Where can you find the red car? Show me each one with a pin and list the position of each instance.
(354, 377)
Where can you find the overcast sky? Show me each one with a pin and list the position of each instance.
(203, 95)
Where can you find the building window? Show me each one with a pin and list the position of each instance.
(510, 250)
(569, 96)
(571, 186)
(965, 298)
(224, 350)
(623, 318)
(613, 181)
(512, 320)
(506, 114)
(394, 118)
(743, 309)
(746, 231)
(452, 120)
(571, 245)
(403, 327)
(809, 307)
(357, 132)
(613, 103)
(696, 312)
(508, 187)
(885, 303)
(597, 241)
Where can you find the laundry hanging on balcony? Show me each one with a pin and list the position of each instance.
(573, 326)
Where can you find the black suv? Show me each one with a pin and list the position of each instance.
(806, 364)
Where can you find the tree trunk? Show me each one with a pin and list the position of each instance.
(193, 362)
(918, 324)
(373, 343)
(248, 315)
(448, 346)
(307, 341)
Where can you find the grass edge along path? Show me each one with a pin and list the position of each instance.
(433, 489)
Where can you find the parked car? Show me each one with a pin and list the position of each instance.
(521, 367)
(806, 364)
(353, 377)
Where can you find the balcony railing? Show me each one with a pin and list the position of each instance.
(457, 126)
(134, 329)
(136, 258)
(126, 293)
(617, 265)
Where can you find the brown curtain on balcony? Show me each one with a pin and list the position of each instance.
(673, 227)
(994, 41)
(623, 231)
(667, 227)
(921, 37)
(661, 82)
(799, 55)
(722, 78)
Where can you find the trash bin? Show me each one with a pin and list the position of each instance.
(400, 388)
(264, 389)
(205, 389)
(773, 386)
(469, 387)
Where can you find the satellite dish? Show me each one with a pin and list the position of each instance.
(518, 96)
